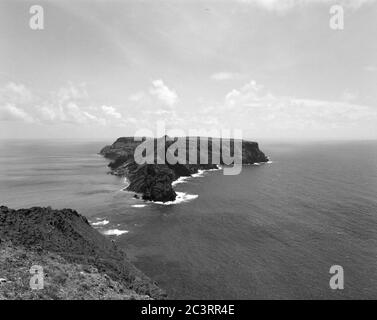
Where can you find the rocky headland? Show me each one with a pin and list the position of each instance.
(153, 181)
(78, 262)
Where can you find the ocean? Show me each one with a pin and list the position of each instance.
(272, 232)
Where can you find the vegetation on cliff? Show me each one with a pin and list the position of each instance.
(78, 262)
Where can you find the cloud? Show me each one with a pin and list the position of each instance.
(15, 92)
(75, 114)
(253, 106)
(248, 107)
(254, 109)
(249, 94)
(73, 105)
(163, 93)
(68, 104)
(330, 111)
(111, 111)
(285, 5)
(221, 76)
(10, 112)
(12, 97)
(156, 104)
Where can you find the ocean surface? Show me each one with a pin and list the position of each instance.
(273, 231)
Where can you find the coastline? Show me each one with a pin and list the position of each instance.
(155, 181)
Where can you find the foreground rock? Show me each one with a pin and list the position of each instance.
(78, 262)
(154, 181)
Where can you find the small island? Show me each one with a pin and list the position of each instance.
(153, 181)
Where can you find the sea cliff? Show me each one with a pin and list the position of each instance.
(78, 262)
(154, 181)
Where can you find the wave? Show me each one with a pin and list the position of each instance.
(114, 232)
(181, 197)
(139, 205)
(100, 223)
(258, 163)
(126, 184)
(199, 174)
(180, 180)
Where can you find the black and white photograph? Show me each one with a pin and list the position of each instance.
(183, 150)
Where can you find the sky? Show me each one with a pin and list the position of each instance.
(273, 69)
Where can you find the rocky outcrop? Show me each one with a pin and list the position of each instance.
(78, 261)
(154, 181)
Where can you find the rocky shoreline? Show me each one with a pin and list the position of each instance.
(154, 182)
(78, 262)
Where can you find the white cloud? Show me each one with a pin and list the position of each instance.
(114, 117)
(332, 111)
(252, 106)
(221, 76)
(18, 93)
(71, 112)
(155, 104)
(93, 118)
(12, 98)
(72, 104)
(249, 93)
(111, 111)
(10, 112)
(15, 93)
(69, 104)
(163, 93)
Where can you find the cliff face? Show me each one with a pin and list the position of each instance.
(154, 181)
(78, 261)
